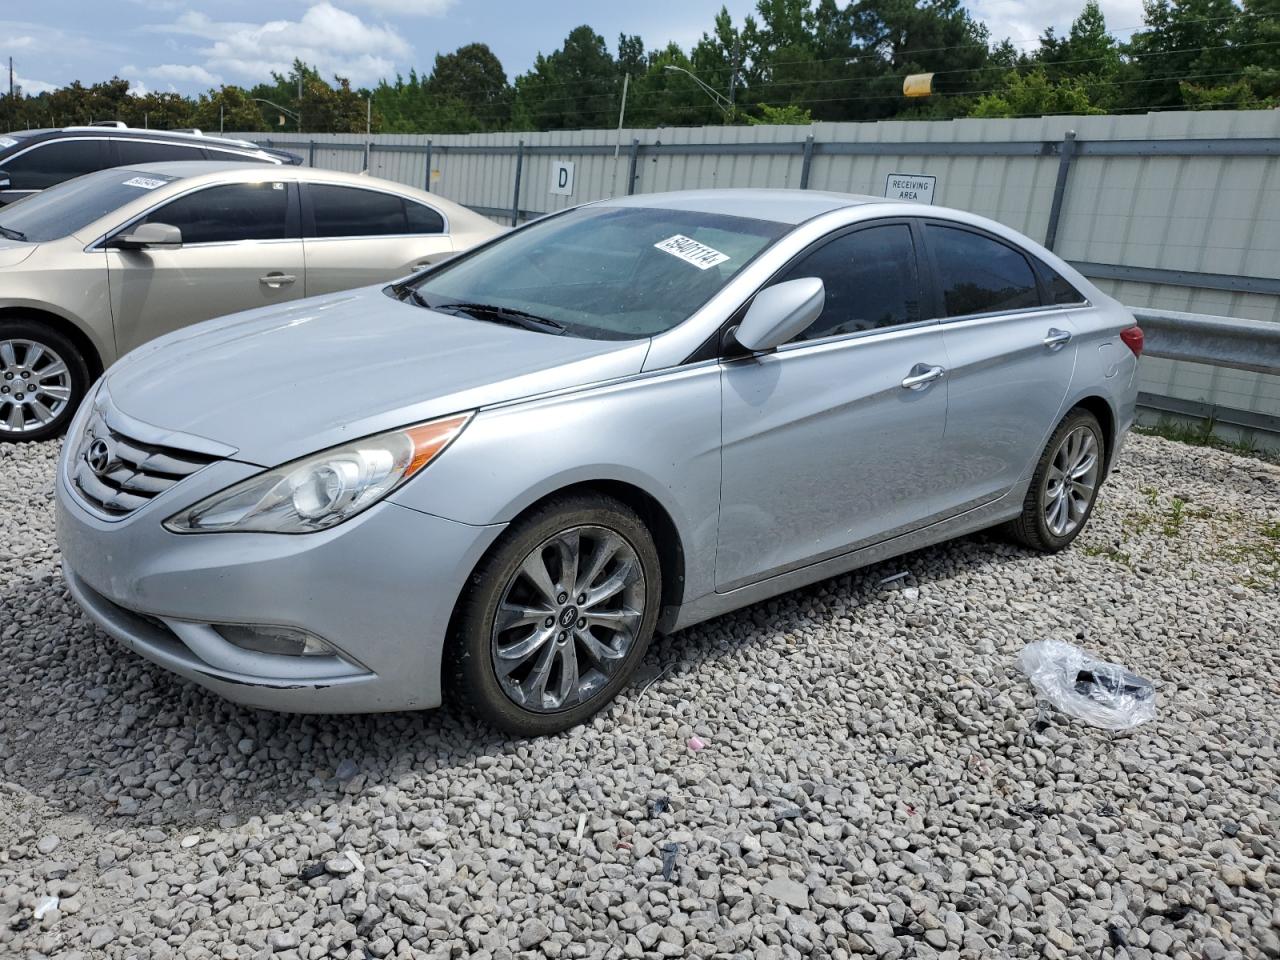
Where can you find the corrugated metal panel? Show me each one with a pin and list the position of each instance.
(1211, 214)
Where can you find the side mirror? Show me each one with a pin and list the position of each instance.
(779, 312)
(147, 235)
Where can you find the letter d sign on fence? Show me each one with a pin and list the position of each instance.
(562, 177)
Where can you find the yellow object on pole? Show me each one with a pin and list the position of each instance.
(918, 85)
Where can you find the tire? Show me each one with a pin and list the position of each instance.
(603, 659)
(59, 373)
(1047, 502)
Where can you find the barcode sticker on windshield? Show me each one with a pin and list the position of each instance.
(8, 142)
(146, 183)
(691, 251)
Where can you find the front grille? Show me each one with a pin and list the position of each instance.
(117, 474)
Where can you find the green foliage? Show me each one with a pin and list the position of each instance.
(792, 61)
(788, 114)
(1034, 94)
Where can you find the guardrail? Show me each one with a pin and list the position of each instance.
(1252, 345)
(1221, 341)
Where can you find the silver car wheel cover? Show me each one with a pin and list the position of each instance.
(35, 386)
(567, 618)
(1071, 482)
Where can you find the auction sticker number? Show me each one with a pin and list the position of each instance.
(146, 183)
(691, 251)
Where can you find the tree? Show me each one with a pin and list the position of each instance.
(788, 114)
(1033, 94)
(228, 108)
(574, 87)
(473, 79)
(1185, 41)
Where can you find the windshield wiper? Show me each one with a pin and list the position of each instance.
(507, 315)
(10, 234)
(405, 291)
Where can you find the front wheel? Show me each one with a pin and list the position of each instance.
(557, 616)
(43, 378)
(1064, 487)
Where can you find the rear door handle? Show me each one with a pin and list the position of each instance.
(1056, 338)
(921, 376)
(277, 280)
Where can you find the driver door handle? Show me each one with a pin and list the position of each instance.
(277, 280)
(921, 376)
(1056, 338)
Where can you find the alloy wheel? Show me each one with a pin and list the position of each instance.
(35, 386)
(1071, 482)
(567, 618)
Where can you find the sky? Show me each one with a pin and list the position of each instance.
(189, 47)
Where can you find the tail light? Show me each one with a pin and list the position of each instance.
(1133, 338)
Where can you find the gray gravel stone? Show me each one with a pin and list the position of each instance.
(880, 780)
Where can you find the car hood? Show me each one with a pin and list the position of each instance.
(281, 382)
(13, 252)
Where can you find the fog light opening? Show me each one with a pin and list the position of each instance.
(281, 641)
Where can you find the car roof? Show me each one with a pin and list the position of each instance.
(781, 206)
(173, 136)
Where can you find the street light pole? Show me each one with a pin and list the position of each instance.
(720, 100)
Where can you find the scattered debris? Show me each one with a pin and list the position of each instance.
(696, 744)
(311, 871)
(347, 770)
(582, 826)
(910, 761)
(354, 858)
(670, 852)
(1099, 693)
(897, 576)
(911, 593)
(659, 806)
(787, 813)
(654, 679)
(190, 841)
(44, 906)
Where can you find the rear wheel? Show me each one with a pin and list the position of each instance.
(43, 378)
(1064, 487)
(557, 616)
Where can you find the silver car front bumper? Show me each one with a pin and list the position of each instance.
(380, 589)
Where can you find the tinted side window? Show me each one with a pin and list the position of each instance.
(232, 155)
(352, 212)
(51, 163)
(234, 211)
(1060, 290)
(139, 151)
(422, 219)
(979, 275)
(870, 278)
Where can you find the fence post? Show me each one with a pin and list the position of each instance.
(808, 162)
(515, 202)
(631, 167)
(428, 184)
(311, 154)
(1060, 187)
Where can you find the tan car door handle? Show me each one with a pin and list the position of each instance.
(277, 280)
(1056, 339)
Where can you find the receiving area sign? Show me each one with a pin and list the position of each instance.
(909, 186)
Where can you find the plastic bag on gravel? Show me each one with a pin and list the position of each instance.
(1082, 686)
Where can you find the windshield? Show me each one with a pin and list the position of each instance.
(62, 210)
(614, 273)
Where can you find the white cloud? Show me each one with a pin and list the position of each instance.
(418, 8)
(182, 73)
(332, 40)
(32, 87)
(1023, 21)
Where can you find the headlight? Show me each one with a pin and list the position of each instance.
(326, 488)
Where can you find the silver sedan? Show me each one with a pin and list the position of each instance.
(502, 475)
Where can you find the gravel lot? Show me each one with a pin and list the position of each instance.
(878, 778)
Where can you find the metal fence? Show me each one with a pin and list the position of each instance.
(1169, 211)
